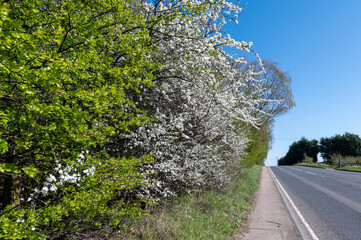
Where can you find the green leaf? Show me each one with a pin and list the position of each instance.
(31, 171)
(9, 168)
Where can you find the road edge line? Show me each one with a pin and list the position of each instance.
(303, 220)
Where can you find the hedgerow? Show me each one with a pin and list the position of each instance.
(108, 107)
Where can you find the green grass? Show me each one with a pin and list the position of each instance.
(210, 215)
(350, 168)
(316, 165)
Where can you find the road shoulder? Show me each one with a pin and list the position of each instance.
(270, 218)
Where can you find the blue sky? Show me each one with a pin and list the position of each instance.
(318, 43)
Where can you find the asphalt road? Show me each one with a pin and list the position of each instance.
(329, 200)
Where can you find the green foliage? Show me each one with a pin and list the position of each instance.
(91, 205)
(259, 144)
(308, 160)
(347, 147)
(299, 151)
(66, 69)
(347, 144)
(345, 160)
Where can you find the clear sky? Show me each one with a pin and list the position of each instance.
(318, 43)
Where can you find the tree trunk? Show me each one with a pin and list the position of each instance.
(10, 192)
(10, 183)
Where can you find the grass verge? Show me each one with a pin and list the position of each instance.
(316, 165)
(350, 168)
(208, 215)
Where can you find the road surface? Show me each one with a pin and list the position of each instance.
(329, 200)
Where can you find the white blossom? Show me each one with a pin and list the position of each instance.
(53, 188)
(20, 220)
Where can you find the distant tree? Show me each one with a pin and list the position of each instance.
(299, 151)
(347, 144)
(282, 161)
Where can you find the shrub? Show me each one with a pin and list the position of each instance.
(66, 67)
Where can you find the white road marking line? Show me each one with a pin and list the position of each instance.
(305, 171)
(311, 173)
(309, 229)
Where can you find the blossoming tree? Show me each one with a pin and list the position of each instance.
(109, 106)
(196, 138)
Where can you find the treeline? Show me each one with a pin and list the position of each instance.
(332, 149)
(110, 107)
